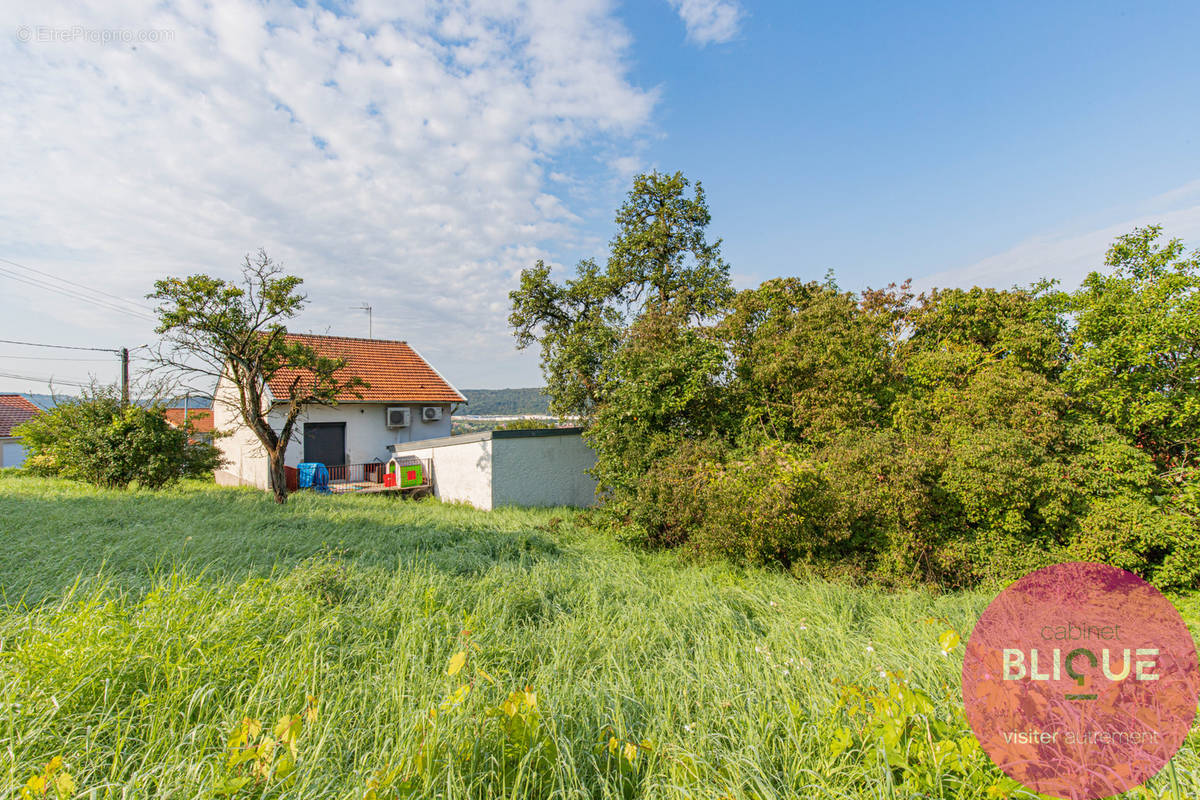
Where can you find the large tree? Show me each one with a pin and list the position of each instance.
(1136, 357)
(660, 263)
(222, 330)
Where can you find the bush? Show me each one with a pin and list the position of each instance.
(763, 506)
(771, 506)
(99, 440)
(668, 504)
(525, 425)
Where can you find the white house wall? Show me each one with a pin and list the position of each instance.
(367, 434)
(542, 471)
(246, 463)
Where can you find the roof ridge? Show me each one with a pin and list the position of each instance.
(348, 338)
(393, 374)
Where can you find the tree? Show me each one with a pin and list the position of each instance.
(100, 440)
(216, 329)
(659, 261)
(808, 359)
(1136, 354)
(625, 346)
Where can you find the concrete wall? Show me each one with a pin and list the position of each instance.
(367, 434)
(542, 471)
(511, 468)
(12, 452)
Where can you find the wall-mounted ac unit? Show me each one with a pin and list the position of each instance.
(431, 413)
(398, 417)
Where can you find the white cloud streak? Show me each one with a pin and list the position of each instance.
(709, 21)
(392, 153)
(1070, 255)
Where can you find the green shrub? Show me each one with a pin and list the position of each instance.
(525, 425)
(99, 440)
(668, 504)
(770, 506)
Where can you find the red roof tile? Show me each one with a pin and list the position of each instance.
(15, 409)
(396, 373)
(200, 418)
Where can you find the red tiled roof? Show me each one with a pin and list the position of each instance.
(396, 373)
(200, 418)
(15, 409)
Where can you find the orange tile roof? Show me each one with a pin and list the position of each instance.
(15, 409)
(200, 418)
(396, 372)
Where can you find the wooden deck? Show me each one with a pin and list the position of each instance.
(369, 478)
(357, 487)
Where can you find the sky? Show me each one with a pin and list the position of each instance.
(415, 157)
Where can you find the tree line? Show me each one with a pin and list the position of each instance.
(953, 438)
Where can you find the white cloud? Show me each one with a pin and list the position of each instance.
(1070, 255)
(709, 21)
(408, 157)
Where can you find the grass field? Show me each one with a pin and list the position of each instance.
(138, 630)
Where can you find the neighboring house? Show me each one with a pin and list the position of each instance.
(538, 467)
(406, 400)
(201, 420)
(14, 409)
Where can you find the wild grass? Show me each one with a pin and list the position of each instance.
(140, 629)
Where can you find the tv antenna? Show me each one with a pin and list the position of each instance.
(370, 319)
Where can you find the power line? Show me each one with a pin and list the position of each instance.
(69, 292)
(123, 353)
(54, 358)
(75, 283)
(74, 295)
(49, 381)
(62, 346)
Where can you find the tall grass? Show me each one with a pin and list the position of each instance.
(140, 628)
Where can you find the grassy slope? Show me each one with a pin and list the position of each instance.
(210, 608)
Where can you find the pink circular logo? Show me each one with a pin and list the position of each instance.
(1080, 680)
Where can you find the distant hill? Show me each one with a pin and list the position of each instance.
(506, 401)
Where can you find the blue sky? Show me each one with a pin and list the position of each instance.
(416, 157)
(889, 140)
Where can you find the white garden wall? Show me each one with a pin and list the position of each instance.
(461, 467)
(510, 468)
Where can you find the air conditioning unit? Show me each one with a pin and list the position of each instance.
(431, 413)
(398, 417)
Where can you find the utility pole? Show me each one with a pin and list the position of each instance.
(370, 319)
(124, 376)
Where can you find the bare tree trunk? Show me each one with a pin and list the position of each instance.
(277, 477)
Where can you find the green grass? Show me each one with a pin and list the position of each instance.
(137, 629)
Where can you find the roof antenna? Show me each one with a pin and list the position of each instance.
(370, 319)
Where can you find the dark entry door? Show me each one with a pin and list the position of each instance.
(325, 442)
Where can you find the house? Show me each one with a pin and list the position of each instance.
(14, 410)
(406, 400)
(200, 419)
(528, 467)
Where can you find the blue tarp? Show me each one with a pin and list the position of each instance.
(312, 475)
